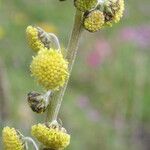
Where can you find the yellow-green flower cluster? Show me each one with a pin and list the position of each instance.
(113, 11)
(51, 137)
(12, 140)
(94, 21)
(85, 5)
(100, 13)
(33, 38)
(50, 68)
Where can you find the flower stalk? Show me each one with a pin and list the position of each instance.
(57, 97)
(28, 139)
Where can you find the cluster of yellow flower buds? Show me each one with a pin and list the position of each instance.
(50, 69)
(100, 13)
(48, 66)
(12, 139)
(52, 136)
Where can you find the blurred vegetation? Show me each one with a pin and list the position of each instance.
(106, 105)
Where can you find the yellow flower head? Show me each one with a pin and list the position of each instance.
(51, 137)
(113, 11)
(50, 69)
(93, 21)
(33, 38)
(85, 5)
(12, 140)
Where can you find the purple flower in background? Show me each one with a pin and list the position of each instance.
(98, 54)
(139, 35)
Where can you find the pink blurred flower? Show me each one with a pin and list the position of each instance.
(98, 54)
(139, 35)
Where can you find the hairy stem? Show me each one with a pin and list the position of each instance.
(57, 97)
(28, 139)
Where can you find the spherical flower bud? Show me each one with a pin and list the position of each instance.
(50, 69)
(38, 102)
(85, 5)
(52, 137)
(37, 38)
(12, 139)
(113, 11)
(93, 21)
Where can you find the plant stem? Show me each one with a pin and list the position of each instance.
(57, 97)
(28, 139)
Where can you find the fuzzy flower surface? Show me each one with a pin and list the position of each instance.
(11, 139)
(52, 138)
(50, 69)
(85, 5)
(94, 21)
(113, 11)
(33, 38)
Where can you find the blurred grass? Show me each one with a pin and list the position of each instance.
(106, 107)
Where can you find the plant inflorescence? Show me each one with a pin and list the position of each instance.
(51, 69)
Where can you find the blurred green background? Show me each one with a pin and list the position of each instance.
(106, 105)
